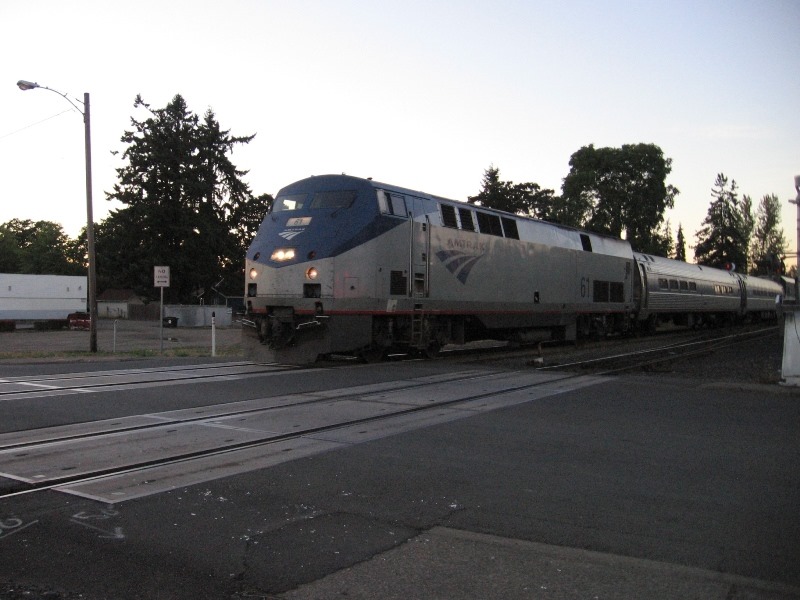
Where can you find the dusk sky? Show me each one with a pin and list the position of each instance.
(424, 95)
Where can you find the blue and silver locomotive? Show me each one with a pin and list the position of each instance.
(349, 265)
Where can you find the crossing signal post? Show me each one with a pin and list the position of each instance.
(790, 369)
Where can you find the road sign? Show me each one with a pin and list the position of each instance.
(161, 276)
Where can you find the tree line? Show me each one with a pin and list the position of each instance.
(622, 192)
(185, 204)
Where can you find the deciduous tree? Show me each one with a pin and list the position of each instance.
(37, 248)
(619, 191)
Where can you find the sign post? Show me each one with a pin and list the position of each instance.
(161, 280)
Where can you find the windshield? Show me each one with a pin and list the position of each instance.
(317, 200)
(290, 202)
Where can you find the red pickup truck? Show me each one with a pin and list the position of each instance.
(78, 320)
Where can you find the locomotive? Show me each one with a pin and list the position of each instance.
(345, 265)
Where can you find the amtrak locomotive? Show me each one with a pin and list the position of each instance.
(349, 265)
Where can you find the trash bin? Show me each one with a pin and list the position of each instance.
(170, 321)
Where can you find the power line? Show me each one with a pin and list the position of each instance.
(36, 123)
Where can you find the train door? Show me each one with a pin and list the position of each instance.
(420, 248)
(423, 328)
(641, 298)
(394, 273)
(640, 291)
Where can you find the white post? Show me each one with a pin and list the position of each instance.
(213, 334)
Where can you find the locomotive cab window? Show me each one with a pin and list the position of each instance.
(392, 204)
(290, 202)
(337, 199)
(586, 242)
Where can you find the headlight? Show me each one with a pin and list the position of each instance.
(282, 254)
(253, 273)
(312, 273)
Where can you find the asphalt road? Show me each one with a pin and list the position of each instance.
(638, 486)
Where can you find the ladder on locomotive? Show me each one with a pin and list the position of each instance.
(417, 325)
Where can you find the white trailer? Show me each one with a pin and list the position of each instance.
(41, 297)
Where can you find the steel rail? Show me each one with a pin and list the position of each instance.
(653, 355)
(188, 456)
(43, 380)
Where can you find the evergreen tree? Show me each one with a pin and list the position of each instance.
(662, 243)
(769, 241)
(246, 218)
(680, 245)
(748, 225)
(725, 233)
(519, 198)
(182, 197)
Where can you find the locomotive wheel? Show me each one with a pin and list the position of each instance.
(372, 354)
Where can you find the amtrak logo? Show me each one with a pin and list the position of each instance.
(458, 263)
(290, 234)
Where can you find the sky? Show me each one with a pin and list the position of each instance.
(422, 94)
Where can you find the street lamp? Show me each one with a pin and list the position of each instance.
(30, 85)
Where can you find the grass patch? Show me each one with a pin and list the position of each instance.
(83, 355)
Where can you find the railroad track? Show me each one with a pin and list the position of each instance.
(73, 456)
(599, 354)
(660, 355)
(64, 383)
(319, 415)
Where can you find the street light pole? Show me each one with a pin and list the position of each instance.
(796, 201)
(92, 278)
(90, 228)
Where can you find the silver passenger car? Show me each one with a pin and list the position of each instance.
(691, 294)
